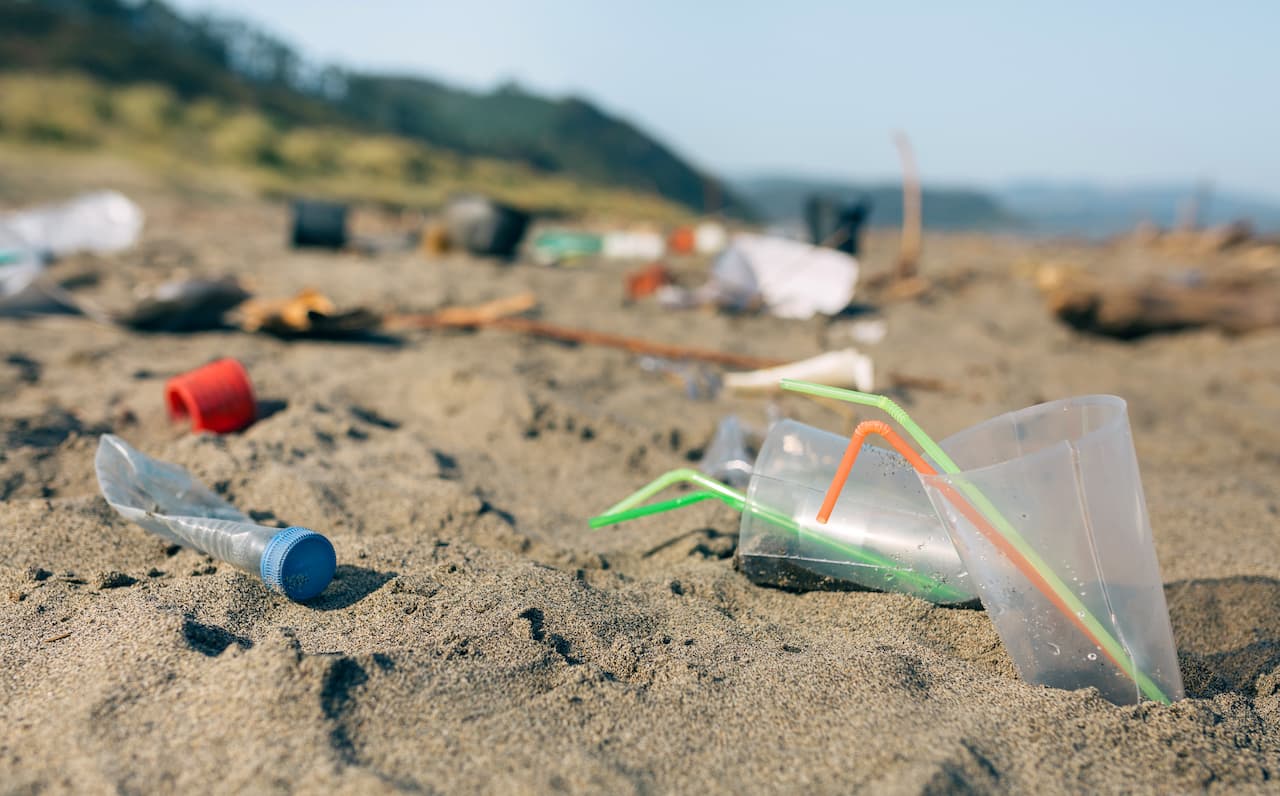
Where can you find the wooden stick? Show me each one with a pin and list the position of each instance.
(465, 317)
(636, 345)
(912, 217)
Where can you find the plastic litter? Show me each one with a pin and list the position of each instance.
(1068, 473)
(791, 279)
(310, 314)
(647, 280)
(710, 237)
(165, 500)
(218, 397)
(319, 224)
(726, 457)
(700, 383)
(101, 222)
(186, 305)
(847, 368)
(23, 291)
(558, 246)
(1067, 470)
(633, 246)
(834, 224)
(485, 227)
(884, 536)
(780, 543)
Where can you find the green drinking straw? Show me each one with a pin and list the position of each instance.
(629, 509)
(1115, 650)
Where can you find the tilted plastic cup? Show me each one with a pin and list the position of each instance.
(883, 534)
(1065, 475)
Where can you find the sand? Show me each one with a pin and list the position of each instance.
(479, 637)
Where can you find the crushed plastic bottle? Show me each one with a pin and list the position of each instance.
(164, 499)
(726, 457)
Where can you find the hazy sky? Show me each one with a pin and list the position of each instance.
(988, 91)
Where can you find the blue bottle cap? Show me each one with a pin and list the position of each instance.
(299, 563)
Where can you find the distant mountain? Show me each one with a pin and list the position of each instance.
(1086, 209)
(1027, 207)
(781, 200)
(124, 41)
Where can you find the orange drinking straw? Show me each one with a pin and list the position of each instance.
(851, 455)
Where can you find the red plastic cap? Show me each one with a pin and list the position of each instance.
(217, 397)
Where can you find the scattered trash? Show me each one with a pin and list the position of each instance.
(101, 222)
(319, 224)
(481, 226)
(633, 246)
(836, 225)
(726, 457)
(847, 368)
(792, 279)
(648, 280)
(682, 240)
(25, 289)
(636, 345)
(1131, 311)
(217, 397)
(308, 314)
(886, 536)
(556, 246)
(710, 237)
(464, 317)
(185, 305)
(700, 382)
(865, 332)
(1064, 469)
(165, 500)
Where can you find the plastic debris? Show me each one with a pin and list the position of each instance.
(557, 246)
(319, 224)
(647, 281)
(791, 279)
(308, 314)
(845, 368)
(100, 222)
(481, 226)
(185, 305)
(165, 500)
(217, 397)
(727, 457)
(633, 246)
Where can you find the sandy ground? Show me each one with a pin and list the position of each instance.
(479, 637)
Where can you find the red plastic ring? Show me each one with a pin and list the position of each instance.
(218, 397)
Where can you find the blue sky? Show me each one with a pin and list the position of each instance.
(1116, 93)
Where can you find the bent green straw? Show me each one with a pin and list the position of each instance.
(1100, 634)
(629, 509)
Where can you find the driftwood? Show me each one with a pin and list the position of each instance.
(1130, 311)
(912, 216)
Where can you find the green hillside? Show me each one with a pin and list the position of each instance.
(232, 63)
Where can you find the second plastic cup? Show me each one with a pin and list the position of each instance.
(883, 534)
(1075, 590)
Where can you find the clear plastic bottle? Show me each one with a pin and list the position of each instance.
(167, 501)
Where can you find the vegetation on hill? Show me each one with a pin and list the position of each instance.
(273, 91)
(149, 122)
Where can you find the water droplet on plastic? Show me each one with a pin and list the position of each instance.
(1054, 648)
(1093, 656)
(1080, 614)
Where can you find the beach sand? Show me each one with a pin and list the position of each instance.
(478, 637)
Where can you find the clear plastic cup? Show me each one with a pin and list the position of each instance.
(883, 534)
(1064, 476)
